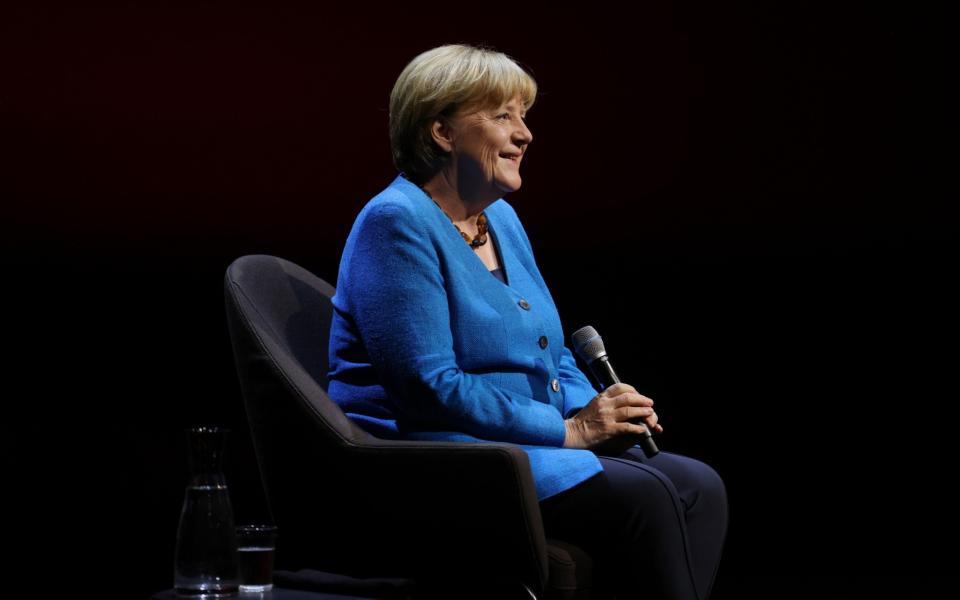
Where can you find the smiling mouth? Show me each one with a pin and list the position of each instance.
(513, 157)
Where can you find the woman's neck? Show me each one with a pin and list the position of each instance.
(461, 208)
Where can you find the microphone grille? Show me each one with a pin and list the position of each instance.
(587, 344)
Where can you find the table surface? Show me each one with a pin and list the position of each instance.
(274, 594)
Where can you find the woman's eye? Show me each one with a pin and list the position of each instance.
(503, 116)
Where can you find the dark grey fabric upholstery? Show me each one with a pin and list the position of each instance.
(349, 503)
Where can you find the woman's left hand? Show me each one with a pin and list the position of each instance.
(612, 422)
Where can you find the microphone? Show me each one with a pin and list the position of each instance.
(589, 347)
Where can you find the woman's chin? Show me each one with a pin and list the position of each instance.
(510, 185)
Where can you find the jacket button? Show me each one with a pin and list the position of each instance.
(524, 304)
(543, 341)
(555, 385)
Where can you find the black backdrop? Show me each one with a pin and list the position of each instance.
(748, 202)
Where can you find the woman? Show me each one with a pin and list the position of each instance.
(444, 330)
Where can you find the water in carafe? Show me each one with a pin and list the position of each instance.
(206, 554)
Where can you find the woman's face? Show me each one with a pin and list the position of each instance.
(487, 147)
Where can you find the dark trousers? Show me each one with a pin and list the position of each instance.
(655, 527)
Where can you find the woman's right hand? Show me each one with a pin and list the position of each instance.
(604, 425)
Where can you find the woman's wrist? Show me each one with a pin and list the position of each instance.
(572, 438)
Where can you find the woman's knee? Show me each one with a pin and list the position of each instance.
(711, 482)
(708, 495)
(695, 480)
(642, 492)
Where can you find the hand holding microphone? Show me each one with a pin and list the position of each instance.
(617, 411)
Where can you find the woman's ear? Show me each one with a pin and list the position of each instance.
(442, 134)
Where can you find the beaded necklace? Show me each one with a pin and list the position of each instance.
(481, 237)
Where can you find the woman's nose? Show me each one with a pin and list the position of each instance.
(522, 135)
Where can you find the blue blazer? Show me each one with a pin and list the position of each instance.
(427, 344)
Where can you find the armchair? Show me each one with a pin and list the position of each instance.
(458, 517)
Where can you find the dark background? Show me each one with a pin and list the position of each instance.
(748, 202)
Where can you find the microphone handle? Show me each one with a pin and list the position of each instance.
(605, 374)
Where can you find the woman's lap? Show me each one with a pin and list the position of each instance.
(659, 521)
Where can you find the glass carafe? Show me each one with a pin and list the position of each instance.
(206, 554)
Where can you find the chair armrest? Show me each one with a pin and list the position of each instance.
(481, 492)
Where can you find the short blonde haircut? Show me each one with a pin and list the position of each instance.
(439, 83)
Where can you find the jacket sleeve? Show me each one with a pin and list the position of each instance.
(577, 389)
(395, 293)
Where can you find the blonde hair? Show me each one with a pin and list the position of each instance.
(440, 82)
